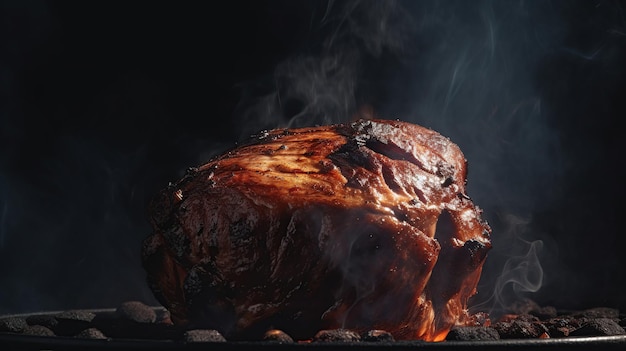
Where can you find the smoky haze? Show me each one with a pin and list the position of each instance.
(103, 106)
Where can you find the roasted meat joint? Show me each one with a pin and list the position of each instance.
(362, 226)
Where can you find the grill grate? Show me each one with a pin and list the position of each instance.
(135, 326)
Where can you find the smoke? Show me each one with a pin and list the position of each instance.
(500, 79)
(461, 68)
(317, 90)
(524, 272)
(322, 82)
(519, 273)
(102, 106)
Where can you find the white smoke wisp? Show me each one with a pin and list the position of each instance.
(320, 83)
(309, 90)
(522, 272)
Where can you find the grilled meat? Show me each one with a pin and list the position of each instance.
(363, 225)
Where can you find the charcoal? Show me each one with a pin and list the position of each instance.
(507, 318)
(530, 307)
(76, 315)
(599, 312)
(523, 306)
(336, 335)
(276, 335)
(13, 325)
(479, 319)
(137, 312)
(164, 317)
(521, 329)
(91, 333)
(545, 312)
(599, 327)
(473, 333)
(38, 330)
(377, 336)
(116, 325)
(203, 335)
(559, 327)
(71, 323)
(104, 320)
(45, 320)
(527, 317)
(135, 320)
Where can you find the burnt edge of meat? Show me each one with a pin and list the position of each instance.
(207, 301)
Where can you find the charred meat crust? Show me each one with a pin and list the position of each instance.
(363, 225)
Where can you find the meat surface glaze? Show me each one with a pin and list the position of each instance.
(364, 225)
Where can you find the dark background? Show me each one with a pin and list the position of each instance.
(104, 103)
